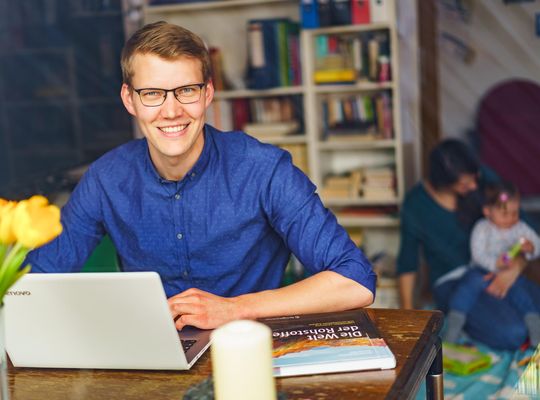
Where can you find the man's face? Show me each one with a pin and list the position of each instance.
(173, 130)
(465, 184)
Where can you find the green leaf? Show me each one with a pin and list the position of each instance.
(10, 270)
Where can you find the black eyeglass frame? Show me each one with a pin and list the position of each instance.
(200, 85)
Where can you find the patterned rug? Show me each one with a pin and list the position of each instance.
(499, 382)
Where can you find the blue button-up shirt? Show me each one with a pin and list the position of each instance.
(227, 227)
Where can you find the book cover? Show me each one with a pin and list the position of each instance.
(327, 342)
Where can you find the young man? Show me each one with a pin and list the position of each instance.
(215, 214)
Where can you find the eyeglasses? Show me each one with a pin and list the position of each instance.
(153, 97)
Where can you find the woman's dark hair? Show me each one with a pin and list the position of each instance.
(449, 160)
(498, 193)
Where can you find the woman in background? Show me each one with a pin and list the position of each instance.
(437, 216)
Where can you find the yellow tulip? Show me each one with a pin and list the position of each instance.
(38, 201)
(7, 208)
(35, 222)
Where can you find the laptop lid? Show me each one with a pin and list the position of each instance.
(95, 320)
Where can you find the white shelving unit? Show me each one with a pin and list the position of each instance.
(222, 24)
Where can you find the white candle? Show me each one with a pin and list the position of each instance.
(242, 361)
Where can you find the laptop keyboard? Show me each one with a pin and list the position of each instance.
(187, 344)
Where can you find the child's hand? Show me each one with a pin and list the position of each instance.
(517, 262)
(527, 246)
(502, 261)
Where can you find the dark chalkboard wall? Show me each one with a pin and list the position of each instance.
(59, 90)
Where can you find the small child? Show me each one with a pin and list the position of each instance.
(496, 241)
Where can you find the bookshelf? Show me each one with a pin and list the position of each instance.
(223, 24)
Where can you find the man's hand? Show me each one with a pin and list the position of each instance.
(202, 309)
(504, 279)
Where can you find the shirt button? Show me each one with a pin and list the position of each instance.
(179, 236)
(193, 174)
(177, 196)
(185, 273)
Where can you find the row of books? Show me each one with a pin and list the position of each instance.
(318, 13)
(273, 53)
(271, 116)
(351, 58)
(359, 117)
(372, 183)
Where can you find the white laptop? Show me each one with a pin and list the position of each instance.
(97, 320)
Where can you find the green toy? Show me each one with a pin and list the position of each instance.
(461, 360)
(514, 251)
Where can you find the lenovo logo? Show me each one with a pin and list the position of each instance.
(18, 293)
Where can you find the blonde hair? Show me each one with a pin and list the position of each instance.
(167, 41)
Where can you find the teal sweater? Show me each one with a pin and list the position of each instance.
(428, 226)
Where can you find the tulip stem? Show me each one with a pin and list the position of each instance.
(11, 256)
(3, 250)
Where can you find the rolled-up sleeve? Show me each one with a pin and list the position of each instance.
(309, 229)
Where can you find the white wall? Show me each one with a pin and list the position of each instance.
(505, 46)
(409, 88)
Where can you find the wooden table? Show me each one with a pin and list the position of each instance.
(412, 336)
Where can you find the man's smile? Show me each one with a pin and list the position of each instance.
(172, 131)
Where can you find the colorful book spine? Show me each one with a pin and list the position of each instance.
(309, 13)
(273, 50)
(360, 12)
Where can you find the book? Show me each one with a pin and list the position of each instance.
(216, 62)
(325, 13)
(269, 129)
(240, 113)
(345, 75)
(298, 153)
(461, 360)
(380, 10)
(340, 12)
(309, 14)
(326, 343)
(263, 52)
(360, 12)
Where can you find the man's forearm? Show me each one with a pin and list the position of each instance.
(323, 292)
(406, 285)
